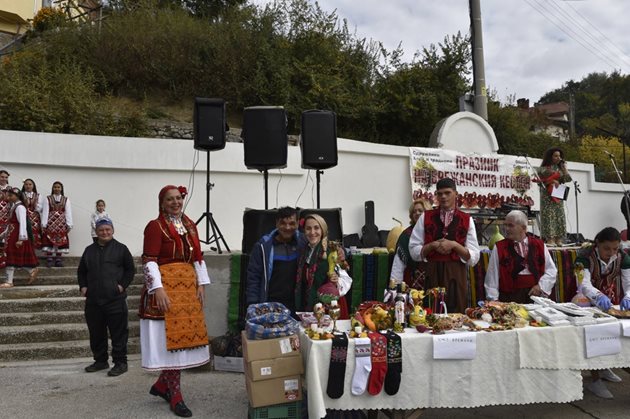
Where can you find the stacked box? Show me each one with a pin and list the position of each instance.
(273, 370)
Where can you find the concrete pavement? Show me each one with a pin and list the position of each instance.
(61, 389)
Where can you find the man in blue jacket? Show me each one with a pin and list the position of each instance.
(273, 262)
(105, 271)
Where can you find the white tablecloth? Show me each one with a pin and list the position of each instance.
(564, 348)
(494, 377)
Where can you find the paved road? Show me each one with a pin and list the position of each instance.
(60, 389)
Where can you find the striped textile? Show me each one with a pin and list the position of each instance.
(370, 276)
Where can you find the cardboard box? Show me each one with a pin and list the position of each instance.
(266, 369)
(229, 363)
(274, 391)
(253, 350)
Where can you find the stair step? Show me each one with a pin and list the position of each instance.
(52, 291)
(73, 261)
(52, 304)
(55, 350)
(53, 332)
(28, 319)
(69, 274)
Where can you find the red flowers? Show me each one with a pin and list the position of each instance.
(182, 190)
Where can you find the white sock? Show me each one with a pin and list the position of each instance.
(10, 270)
(362, 365)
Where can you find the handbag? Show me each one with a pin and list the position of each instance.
(148, 308)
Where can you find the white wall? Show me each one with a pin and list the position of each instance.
(129, 172)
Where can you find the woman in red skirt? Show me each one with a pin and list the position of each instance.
(56, 224)
(19, 248)
(34, 203)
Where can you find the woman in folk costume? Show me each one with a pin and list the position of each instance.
(56, 224)
(605, 272)
(34, 203)
(19, 248)
(404, 268)
(321, 275)
(552, 173)
(5, 207)
(173, 333)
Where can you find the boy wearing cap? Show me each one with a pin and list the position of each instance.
(105, 271)
(446, 239)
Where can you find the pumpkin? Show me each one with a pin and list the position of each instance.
(392, 236)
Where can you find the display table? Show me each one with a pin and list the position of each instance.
(494, 377)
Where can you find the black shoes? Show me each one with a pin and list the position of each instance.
(180, 409)
(155, 392)
(118, 369)
(98, 366)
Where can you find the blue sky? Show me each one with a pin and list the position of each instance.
(530, 46)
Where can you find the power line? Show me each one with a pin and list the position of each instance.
(597, 42)
(597, 29)
(588, 48)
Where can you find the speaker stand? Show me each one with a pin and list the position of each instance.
(265, 173)
(216, 237)
(318, 173)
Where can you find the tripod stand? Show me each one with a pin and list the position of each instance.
(576, 187)
(210, 223)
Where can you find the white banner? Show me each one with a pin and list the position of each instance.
(483, 180)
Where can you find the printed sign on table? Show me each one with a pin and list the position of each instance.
(602, 339)
(625, 326)
(455, 346)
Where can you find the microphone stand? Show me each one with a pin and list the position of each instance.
(623, 188)
(576, 186)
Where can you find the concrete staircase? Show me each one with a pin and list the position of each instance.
(45, 320)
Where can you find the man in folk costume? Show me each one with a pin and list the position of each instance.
(173, 332)
(520, 265)
(446, 239)
(5, 207)
(56, 223)
(19, 247)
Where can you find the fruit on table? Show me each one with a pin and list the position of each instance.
(393, 235)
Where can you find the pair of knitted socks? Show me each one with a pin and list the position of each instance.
(378, 362)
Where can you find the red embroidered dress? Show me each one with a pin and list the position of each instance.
(5, 207)
(32, 210)
(22, 256)
(56, 233)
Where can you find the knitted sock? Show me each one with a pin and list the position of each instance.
(379, 363)
(10, 271)
(337, 369)
(394, 363)
(362, 365)
(172, 380)
(161, 384)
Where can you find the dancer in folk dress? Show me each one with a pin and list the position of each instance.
(56, 223)
(5, 206)
(34, 203)
(19, 247)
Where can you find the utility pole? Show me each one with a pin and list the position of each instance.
(571, 86)
(480, 104)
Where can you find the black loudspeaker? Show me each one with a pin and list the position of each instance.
(209, 124)
(332, 216)
(265, 137)
(256, 223)
(319, 139)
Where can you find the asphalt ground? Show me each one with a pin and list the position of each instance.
(61, 389)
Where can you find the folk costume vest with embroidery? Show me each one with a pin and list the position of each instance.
(511, 264)
(434, 230)
(610, 283)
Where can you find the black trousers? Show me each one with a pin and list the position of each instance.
(112, 316)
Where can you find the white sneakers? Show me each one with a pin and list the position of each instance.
(598, 388)
(608, 375)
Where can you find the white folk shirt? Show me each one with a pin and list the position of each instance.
(416, 242)
(591, 292)
(46, 211)
(546, 281)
